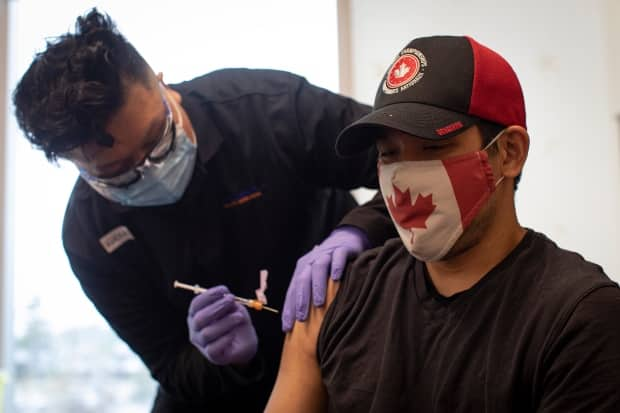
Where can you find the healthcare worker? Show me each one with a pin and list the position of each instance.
(207, 182)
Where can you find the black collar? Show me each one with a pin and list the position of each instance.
(207, 134)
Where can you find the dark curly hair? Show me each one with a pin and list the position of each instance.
(71, 89)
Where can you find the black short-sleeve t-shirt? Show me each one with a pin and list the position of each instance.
(539, 333)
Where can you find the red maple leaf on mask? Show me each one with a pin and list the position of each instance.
(410, 216)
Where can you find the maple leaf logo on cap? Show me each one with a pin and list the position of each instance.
(407, 70)
(403, 70)
(407, 215)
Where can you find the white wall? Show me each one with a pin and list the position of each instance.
(612, 8)
(566, 56)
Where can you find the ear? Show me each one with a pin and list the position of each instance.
(176, 96)
(171, 92)
(513, 149)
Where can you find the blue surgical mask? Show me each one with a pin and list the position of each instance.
(161, 183)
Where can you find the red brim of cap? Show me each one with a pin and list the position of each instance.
(417, 119)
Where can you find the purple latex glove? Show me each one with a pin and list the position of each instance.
(221, 328)
(313, 269)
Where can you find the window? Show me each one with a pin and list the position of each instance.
(64, 356)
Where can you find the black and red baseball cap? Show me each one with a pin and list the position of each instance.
(435, 89)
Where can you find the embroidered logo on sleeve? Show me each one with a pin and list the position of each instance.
(115, 238)
(243, 197)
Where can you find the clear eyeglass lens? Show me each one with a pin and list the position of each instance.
(163, 146)
(158, 153)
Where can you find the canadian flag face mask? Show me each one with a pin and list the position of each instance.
(432, 202)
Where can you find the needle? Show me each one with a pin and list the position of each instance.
(255, 304)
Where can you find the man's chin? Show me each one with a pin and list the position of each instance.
(469, 239)
(461, 247)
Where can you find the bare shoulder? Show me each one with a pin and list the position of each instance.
(304, 334)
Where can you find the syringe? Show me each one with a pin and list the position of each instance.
(255, 304)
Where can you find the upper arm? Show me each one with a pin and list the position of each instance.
(299, 387)
(582, 372)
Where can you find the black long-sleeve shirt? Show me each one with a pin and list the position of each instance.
(267, 186)
(539, 333)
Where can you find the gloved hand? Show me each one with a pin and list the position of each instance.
(311, 272)
(221, 328)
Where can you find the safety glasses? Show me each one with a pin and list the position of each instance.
(162, 148)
